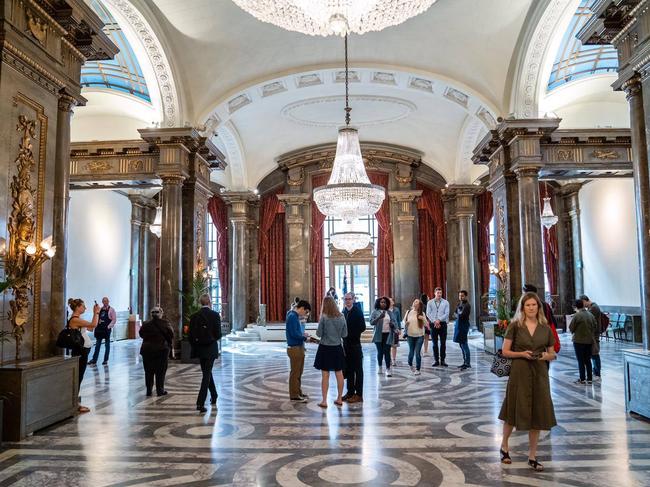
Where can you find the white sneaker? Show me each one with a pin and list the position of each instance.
(412, 369)
(380, 370)
(389, 373)
(417, 372)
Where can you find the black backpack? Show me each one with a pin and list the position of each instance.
(202, 333)
(70, 338)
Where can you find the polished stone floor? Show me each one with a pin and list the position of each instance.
(440, 428)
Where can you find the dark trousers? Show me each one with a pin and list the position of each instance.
(155, 365)
(439, 334)
(207, 382)
(83, 362)
(583, 354)
(595, 361)
(383, 350)
(354, 369)
(415, 348)
(464, 347)
(107, 348)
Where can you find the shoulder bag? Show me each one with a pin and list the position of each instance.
(70, 338)
(500, 364)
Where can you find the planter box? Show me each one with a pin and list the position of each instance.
(636, 368)
(37, 394)
(491, 342)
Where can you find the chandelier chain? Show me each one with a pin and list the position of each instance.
(347, 87)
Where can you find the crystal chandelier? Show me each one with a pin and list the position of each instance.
(334, 17)
(350, 239)
(156, 226)
(548, 218)
(348, 195)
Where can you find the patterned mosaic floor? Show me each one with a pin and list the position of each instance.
(440, 428)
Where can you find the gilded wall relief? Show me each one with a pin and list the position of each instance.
(200, 243)
(136, 165)
(297, 181)
(605, 154)
(502, 260)
(37, 27)
(98, 166)
(565, 155)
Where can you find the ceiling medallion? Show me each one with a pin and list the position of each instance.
(349, 195)
(334, 17)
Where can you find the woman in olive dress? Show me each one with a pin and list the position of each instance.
(528, 406)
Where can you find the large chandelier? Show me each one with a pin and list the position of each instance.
(350, 238)
(334, 17)
(348, 195)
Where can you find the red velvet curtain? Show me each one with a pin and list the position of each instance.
(432, 240)
(219, 214)
(385, 256)
(485, 213)
(551, 250)
(271, 256)
(316, 251)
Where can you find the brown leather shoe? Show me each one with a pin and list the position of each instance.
(347, 397)
(354, 399)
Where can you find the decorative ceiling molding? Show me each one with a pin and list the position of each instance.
(471, 133)
(273, 88)
(157, 57)
(289, 111)
(353, 76)
(308, 80)
(238, 102)
(235, 155)
(384, 78)
(457, 96)
(486, 117)
(421, 84)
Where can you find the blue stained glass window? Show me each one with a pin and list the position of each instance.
(123, 73)
(573, 60)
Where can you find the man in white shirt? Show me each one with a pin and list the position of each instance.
(438, 314)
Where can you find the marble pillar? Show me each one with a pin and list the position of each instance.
(639, 108)
(136, 260)
(142, 215)
(240, 253)
(170, 251)
(298, 272)
(571, 202)
(405, 243)
(60, 203)
(530, 227)
(153, 268)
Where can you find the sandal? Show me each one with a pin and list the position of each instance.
(322, 405)
(535, 465)
(338, 403)
(505, 457)
(83, 409)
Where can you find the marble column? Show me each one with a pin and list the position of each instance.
(60, 202)
(136, 257)
(170, 251)
(298, 282)
(240, 262)
(530, 227)
(639, 107)
(464, 263)
(144, 281)
(153, 264)
(405, 243)
(570, 193)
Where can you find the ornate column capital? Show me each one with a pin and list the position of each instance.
(632, 87)
(404, 200)
(462, 195)
(66, 102)
(294, 204)
(527, 170)
(239, 202)
(172, 178)
(569, 189)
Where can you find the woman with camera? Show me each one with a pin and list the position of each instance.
(528, 405)
(78, 308)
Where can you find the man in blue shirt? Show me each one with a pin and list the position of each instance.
(438, 314)
(296, 339)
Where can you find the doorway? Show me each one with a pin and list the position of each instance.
(354, 274)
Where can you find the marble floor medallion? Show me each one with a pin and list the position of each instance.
(436, 429)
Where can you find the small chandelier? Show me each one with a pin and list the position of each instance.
(156, 226)
(548, 218)
(350, 239)
(348, 195)
(334, 17)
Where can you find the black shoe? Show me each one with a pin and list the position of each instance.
(92, 362)
(148, 393)
(464, 367)
(436, 364)
(201, 409)
(162, 393)
(105, 362)
(213, 401)
(444, 364)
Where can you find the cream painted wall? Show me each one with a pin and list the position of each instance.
(609, 245)
(99, 250)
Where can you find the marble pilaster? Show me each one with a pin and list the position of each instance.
(60, 203)
(137, 207)
(570, 278)
(240, 264)
(405, 243)
(298, 282)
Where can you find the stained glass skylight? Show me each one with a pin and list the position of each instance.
(123, 73)
(573, 60)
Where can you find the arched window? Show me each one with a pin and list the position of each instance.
(575, 60)
(123, 73)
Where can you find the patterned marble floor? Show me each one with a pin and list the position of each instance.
(440, 428)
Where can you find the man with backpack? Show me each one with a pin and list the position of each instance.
(594, 309)
(204, 335)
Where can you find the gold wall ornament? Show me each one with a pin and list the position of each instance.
(136, 165)
(299, 180)
(98, 166)
(200, 219)
(605, 154)
(37, 27)
(564, 155)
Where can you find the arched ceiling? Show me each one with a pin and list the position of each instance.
(435, 83)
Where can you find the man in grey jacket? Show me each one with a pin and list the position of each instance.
(438, 314)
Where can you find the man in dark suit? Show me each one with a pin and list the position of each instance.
(352, 345)
(204, 334)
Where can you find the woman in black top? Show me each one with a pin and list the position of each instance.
(424, 299)
(157, 335)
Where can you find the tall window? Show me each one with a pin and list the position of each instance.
(345, 275)
(213, 275)
(493, 260)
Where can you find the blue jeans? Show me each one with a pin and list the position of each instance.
(595, 361)
(107, 348)
(383, 350)
(464, 347)
(415, 347)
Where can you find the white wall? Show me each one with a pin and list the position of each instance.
(609, 242)
(99, 247)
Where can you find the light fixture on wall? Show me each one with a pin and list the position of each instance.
(334, 17)
(548, 218)
(348, 195)
(156, 226)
